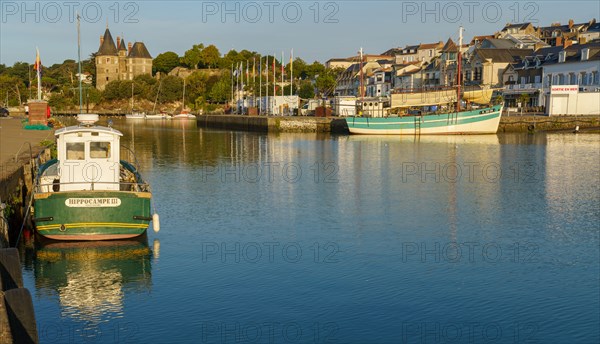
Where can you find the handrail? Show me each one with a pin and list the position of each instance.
(30, 151)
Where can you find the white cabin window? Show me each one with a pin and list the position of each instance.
(75, 151)
(99, 150)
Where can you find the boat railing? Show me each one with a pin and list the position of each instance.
(123, 186)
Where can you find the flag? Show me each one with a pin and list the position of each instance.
(291, 61)
(254, 67)
(234, 71)
(247, 71)
(37, 66)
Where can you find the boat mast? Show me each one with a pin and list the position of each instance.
(459, 68)
(79, 62)
(156, 99)
(183, 98)
(362, 92)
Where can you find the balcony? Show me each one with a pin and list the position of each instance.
(523, 88)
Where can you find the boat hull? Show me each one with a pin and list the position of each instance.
(480, 121)
(92, 215)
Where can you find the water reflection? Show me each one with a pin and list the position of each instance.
(91, 279)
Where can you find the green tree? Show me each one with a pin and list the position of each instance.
(210, 56)
(326, 81)
(8, 89)
(313, 70)
(165, 62)
(307, 90)
(117, 89)
(192, 57)
(171, 89)
(221, 90)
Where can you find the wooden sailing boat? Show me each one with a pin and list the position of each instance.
(470, 121)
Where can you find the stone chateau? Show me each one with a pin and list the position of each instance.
(120, 62)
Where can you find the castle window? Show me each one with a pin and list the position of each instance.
(108, 60)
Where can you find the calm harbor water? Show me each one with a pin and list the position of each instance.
(305, 238)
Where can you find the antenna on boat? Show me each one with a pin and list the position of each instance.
(459, 68)
(79, 62)
(84, 119)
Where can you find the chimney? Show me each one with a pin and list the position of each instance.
(571, 23)
(118, 42)
(129, 45)
(559, 41)
(101, 39)
(567, 43)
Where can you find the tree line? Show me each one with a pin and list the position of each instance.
(208, 81)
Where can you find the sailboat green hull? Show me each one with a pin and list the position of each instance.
(480, 121)
(92, 215)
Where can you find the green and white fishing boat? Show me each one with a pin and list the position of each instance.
(88, 192)
(417, 116)
(479, 121)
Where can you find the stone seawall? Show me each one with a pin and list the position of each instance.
(275, 124)
(338, 125)
(515, 124)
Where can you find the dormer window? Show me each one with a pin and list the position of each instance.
(562, 56)
(585, 54)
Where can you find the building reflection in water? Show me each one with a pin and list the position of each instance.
(91, 279)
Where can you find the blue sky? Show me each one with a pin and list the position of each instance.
(316, 30)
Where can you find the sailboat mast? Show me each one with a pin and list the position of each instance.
(459, 69)
(183, 98)
(132, 97)
(362, 93)
(79, 62)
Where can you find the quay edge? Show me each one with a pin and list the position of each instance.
(337, 125)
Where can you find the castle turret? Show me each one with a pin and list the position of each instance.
(107, 61)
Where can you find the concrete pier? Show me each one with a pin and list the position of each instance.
(17, 317)
(523, 124)
(17, 149)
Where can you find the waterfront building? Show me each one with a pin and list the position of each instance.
(556, 34)
(571, 82)
(120, 61)
(349, 81)
(379, 83)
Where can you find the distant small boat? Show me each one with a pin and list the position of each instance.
(184, 115)
(158, 116)
(136, 115)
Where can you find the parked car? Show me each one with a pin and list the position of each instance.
(4, 112)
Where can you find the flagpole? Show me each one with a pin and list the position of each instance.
(39, 77)
(260, 85)
(282, 70)
(292, 72)
(267, 86)
(232, 85)
(274, 82)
